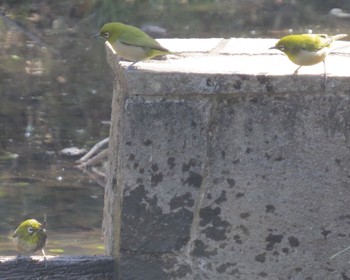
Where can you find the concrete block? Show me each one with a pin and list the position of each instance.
(278, 189)
(164, 152)
(223, 165)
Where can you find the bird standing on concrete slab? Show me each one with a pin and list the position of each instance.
(307, 49)
(130, 42)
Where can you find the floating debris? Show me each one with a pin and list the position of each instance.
(72, 152)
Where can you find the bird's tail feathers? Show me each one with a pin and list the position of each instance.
(177, 53)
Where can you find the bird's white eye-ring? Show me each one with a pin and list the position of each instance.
(30, 230)
(281, 47)
(106, 35)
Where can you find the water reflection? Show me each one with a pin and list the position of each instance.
(72, 202)
(53, 95)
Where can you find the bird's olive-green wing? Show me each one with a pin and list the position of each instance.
(317, 42)
(323, 41)
(138, 38)
(312, 42)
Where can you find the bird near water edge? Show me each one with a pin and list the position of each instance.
(131, 43)
(30, 237)
(307, 49)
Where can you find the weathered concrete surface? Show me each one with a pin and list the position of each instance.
(225, 173)
(57, 267)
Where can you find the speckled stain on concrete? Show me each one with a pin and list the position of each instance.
(282, 153)
(232, 176)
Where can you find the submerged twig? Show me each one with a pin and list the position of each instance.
(95, 174)
(94, 160)
(93, 150)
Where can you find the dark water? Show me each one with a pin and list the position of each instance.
(40, 114)
(56, 89)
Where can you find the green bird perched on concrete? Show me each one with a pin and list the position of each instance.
(307, 49)
(30, 237)
(130, 42)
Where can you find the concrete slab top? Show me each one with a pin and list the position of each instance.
(240, 56)
(223, 165)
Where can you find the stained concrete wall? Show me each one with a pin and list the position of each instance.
(222, 165)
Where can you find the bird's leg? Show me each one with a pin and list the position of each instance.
(20, 258)
(42, 250)
(296, 71)
(45, 259)
(130, 67)
(325, 74)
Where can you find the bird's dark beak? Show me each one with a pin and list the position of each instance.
(273, 48)
(97, 35)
